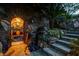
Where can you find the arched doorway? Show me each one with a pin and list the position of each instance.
(17, 34)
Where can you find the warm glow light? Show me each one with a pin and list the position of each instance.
(17, 23)
(18, 32)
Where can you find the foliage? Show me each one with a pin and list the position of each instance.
(71, 7)
(57, 10)
(55, 32)
(75, 47)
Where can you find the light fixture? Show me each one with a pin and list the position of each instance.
(17, 23)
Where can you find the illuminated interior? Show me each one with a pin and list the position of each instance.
(17, 36)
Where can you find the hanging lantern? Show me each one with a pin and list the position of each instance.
(17, 23)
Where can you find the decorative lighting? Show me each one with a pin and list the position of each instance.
(17, 23)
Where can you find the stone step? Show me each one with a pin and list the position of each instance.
(61, 48)
(66, 38)
(52, 52)
(71, 35)
(73, 32)
(39, 52)
(63, 42)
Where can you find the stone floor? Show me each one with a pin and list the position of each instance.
(38, 53)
